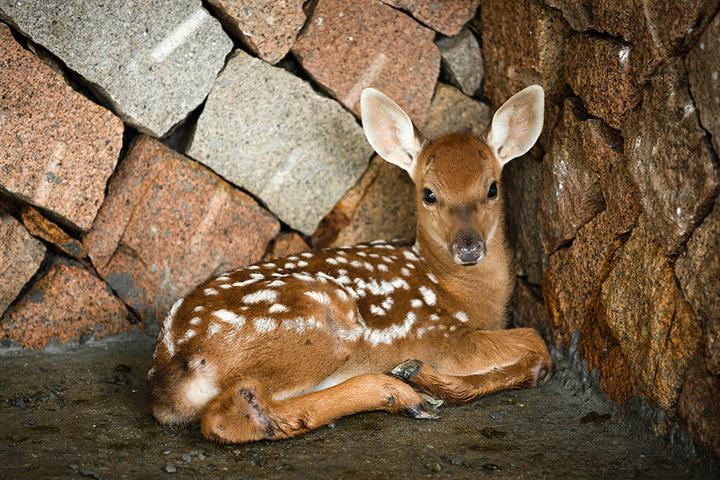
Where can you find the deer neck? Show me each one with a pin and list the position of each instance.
(484, 288)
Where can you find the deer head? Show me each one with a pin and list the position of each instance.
(457, 177)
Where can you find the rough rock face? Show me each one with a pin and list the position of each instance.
(648, 315)
(522, 187)
(20, 257)
(154, 62)
(656, 28)
(268, 131)
(168, 223)
(267, 27)
(666, 152)
(348, 45)
(58, 148)
(462, 61)
(700, 405)
(704, 72)
(600, 71)
(698, 270)
(65, 304)
(575, 274)
(572, 188)
(41, 227)
(446, 17)
(522, 44)
(527, 306)
(453, 112)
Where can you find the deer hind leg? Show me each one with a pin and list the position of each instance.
(243, 413)
(482, 362)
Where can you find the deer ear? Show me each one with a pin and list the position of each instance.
(516, 125)
(389, 130)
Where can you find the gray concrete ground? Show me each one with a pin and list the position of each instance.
(84, 413)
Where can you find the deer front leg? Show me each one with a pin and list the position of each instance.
(479, 363)
(242, 413)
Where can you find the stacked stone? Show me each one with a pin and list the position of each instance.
(147, 149)
(625, 247)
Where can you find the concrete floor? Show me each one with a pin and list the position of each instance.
(84, 413)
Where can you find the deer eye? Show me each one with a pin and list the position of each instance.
(492, 191)
(428, 196)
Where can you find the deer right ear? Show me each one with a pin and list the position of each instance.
(517, 124)
(389, 130)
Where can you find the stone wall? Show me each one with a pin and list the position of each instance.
(624, 249)
(147, 148)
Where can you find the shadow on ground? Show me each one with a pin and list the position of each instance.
(84, 413)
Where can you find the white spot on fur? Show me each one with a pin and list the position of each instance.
(320, 297)
(199, 308)
(390, 334)
(278, 308)
(388, 303)
(362, 254)
(410, 266)
(245, 282)
(210, 291)
(344, 279)
(230, 317)
(289, 265)
(302, 264)
(404, 272)
(383, 268)
(269, 265)
(341, 294)
(167, 327)
(265, 325)
(369, 266)
(356, 264)
(306, 255)
(188, 335)
(341, 259)
(462, 316)
(432, 278)
(253, 267)
(304, 277)
(195, 321)
(276, 283)
(416, 303)
(257, 276)
(410, 256)
(434, 317)
(428, 295)
(400, 283)
(213, 329)
(331, 261)
(260, 296)
(375, 310)
(225, 286)
(201, 389)
(387, 259)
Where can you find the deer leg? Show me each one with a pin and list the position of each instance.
(483, 362)
(242, 414)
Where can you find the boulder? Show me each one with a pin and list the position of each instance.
(169, 223)
(64, 305)
(668, 158)
(462, 61)
(446, 17)
(20, 257)
(268, 131)
(59, 148)
(267, 27)
(348, 46)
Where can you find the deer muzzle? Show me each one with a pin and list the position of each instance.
(468, 248)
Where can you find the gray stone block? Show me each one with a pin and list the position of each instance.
(462, 61)
(153, 61)
(269, 132)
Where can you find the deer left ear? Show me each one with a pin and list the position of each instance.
(516, 125)
(390, 131)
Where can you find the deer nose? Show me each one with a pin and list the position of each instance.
(468, 248)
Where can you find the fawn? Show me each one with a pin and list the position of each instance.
(276, 349)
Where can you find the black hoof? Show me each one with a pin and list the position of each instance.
(407, 369)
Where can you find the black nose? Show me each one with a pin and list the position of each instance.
(468, 247)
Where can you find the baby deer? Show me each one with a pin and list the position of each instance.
(276, 349)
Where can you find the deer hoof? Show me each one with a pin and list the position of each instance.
(541, 374)
(407, 369)
(425, 410)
